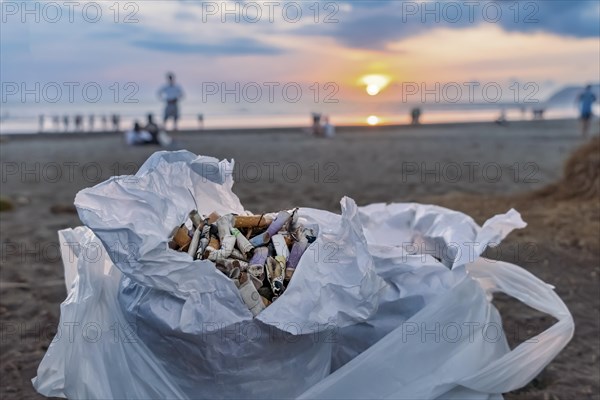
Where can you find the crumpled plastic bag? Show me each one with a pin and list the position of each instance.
(390, 301)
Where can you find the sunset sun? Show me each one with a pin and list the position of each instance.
(374, 83)
(372, 120)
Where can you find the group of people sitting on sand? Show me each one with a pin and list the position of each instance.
(321, 126)
(148, 134)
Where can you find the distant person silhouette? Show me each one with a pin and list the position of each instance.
(56, 122)
(501, 120)
(316, 125)
(171, 94)
(91, 119)
(104, 120)
(66, 122)
(415, 115)
(78, 123)
(586, 99)
(116, 120)
(538, 113)
(41, 122)
(328, 128)
(152, 129)
(200, 121)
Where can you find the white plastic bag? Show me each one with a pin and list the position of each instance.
(149, 322)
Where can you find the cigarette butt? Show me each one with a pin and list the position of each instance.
(280, 267)
(281, 219)
(289, 272)
(261, 239)
(235, 273)
(251, 298)
(270, 268)
(257, 282)
(229, 263)
(257, 271)
(194, 243)
(224, 252)
(204, 240)
(196, 219)
(289, 240)
(213, 217)
(275, 268)
(181, 237)
(201, 247)
(242, 243)
(298, 250)
(251, 221)
(294, 220)
(214, 243)
(281, 248)
(259, 258)
(224, 225)
(238, 255)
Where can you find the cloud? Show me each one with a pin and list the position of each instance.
(235, 47)
(219, 40)
(376, 24)
(579, 19)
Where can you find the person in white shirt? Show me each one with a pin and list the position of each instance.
(137, 136)
(171, 94)
(328, 128)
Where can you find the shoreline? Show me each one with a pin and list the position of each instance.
(342, 129)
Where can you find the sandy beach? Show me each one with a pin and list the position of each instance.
(478, 168)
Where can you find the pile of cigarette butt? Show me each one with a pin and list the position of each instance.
(259, 253)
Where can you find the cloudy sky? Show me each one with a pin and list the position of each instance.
(547, 43)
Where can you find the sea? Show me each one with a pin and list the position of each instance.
(28, 119)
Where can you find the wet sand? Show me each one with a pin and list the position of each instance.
(480, 169)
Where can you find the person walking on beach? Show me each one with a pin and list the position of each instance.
(104, 122)
(41, 122)
(116, 119)
(56, 122)
(171, 94)
(66, 122)
(316, 124)
(78, 123)
(586, 99)
(91, 122)
(328, 128)
(415, 114)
